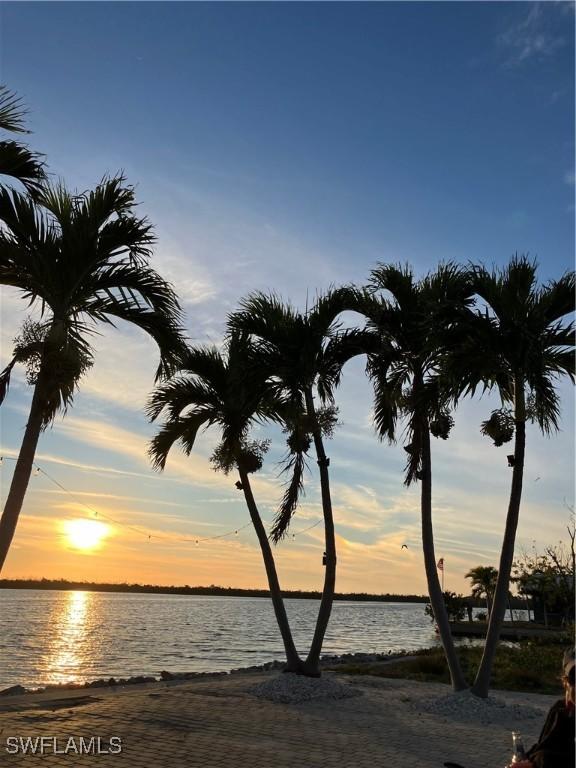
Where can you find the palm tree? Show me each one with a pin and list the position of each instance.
(517, 343)
(483, 582)
(306, 358)
(16, 160)
(225, 389)
(404, 363)
(85, 259)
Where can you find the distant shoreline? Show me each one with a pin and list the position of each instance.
(211, 591)
(216, 591)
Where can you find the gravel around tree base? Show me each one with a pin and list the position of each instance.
(466, 707)
(289, 688)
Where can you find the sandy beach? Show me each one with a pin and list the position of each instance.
(218, 722)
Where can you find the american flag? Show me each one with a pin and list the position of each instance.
(440, 564)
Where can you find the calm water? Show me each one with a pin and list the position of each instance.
(54, 636)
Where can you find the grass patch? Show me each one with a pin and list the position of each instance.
(530, 666)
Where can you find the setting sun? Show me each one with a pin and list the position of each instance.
(85, 534)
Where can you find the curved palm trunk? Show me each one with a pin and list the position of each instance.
(434, 588)
(482, 681)
(294, 664)
(312, 664)
(23, 470)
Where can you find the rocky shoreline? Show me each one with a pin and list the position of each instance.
(329, 660)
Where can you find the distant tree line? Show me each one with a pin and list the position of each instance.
(212, 590)
(216, 591)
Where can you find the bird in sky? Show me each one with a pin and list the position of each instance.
(404, 546)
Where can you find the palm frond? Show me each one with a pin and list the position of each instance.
(387, 399)
(263, 315)
(209, 364)
(112, 197)
(397, 279)
(545, 402)
(558, 362)
(20, 163)
(414, 434)
(129, 287)
(5, 378)
(12, 111)
(181, 393)
(126, 235)
(339, 350)
(160, 324)
(557, 298)
(518, 284)
(323, 317)
(283, 337)
(296, 465)
(472, 357)
(183, 430)
(25, 224)
(59, 202)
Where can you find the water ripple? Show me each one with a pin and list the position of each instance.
(55, 636)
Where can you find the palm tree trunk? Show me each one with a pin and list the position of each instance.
(22, 470)
(482, 681)
(312, 664)
(294, 663)
(434, 588)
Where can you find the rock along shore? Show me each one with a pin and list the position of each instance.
(328, 660)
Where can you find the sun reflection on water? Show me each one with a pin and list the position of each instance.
(67, 649)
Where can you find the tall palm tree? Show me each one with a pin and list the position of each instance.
(16, 160)
(306, 358)
(407, 320)
(85, 259)
(227, 390)
(517, 343)
(483, 583)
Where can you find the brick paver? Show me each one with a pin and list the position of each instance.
(217, 723)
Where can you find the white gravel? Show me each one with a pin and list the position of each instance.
(467, 708)
(289, 688)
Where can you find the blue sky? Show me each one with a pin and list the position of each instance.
(288, 147)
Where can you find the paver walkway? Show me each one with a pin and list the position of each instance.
(217, 723)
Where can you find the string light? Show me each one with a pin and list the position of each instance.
(305, 530)
(162, 537)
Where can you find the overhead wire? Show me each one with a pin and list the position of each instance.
(149, 536)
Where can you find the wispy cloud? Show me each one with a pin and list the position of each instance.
(535, 36)
(98, 469)
(109, 496)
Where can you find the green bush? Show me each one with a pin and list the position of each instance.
(531, 666)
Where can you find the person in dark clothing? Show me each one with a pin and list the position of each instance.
(555, 747)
